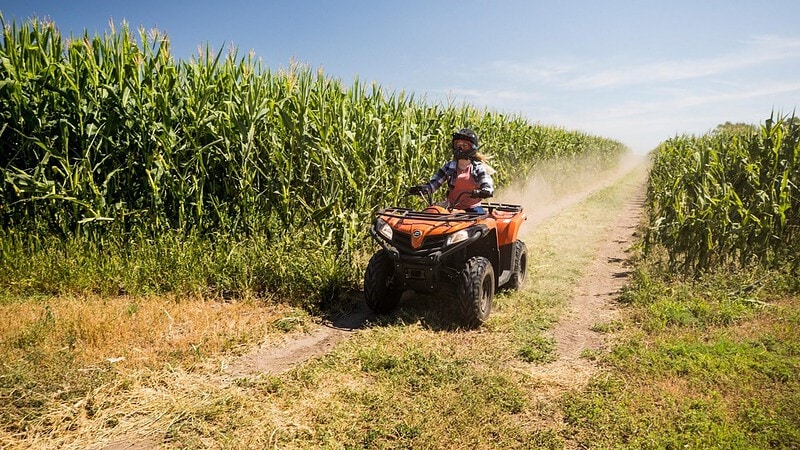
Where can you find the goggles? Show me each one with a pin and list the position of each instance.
(462, 144)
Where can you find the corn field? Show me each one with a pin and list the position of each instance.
(109, 138)
(728, 197)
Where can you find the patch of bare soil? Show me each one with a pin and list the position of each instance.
(134, 443)
(274, 359)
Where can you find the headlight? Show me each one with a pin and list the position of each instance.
(384, 229)
(456, 237)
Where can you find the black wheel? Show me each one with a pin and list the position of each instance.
(380, 298)
(520, 265)
(475, 291)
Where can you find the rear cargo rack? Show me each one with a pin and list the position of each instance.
(502, 207)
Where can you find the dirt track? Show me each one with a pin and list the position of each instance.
(592, 303)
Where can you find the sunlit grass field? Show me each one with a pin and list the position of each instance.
(699, 364)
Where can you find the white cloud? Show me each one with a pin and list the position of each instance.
(757, 51)
(641, 104)
(494, 98)
(671, 102)
(759, 91)
(547, 72)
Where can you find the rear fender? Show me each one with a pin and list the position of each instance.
(508, 225)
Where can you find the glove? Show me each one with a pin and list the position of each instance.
(481, 193)
(416, 190)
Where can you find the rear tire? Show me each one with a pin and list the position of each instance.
(475, 291)
(520, 266)
(380, 298)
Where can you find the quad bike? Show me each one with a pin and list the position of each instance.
(462, 256)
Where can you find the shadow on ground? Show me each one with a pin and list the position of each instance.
(428, 310)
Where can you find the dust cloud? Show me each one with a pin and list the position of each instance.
(554, 186)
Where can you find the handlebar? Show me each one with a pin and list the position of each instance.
(424, 194)
(428, 197)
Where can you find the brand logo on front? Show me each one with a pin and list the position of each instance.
(417, 233)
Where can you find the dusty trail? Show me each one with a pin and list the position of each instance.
(275, 359)
(592, 303)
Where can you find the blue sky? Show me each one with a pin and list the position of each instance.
(637, 71)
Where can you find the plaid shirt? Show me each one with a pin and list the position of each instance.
(448, 173)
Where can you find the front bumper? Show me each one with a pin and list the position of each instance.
(424, 269)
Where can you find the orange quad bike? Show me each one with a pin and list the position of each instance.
(462, 256)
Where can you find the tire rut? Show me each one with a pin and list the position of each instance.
(594, 302)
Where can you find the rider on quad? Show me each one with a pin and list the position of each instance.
(463, 251)
(468, 178)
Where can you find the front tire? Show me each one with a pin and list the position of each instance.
(378, 294)
(475, 288)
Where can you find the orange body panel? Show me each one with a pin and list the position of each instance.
(419, 229)
(508, 224)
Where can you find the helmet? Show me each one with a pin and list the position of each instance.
(465, 134)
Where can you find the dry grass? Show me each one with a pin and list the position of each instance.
(81, 371)
(140, 330)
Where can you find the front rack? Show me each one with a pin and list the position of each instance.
(404, 213)
(461, 216)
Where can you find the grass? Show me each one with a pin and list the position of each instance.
(407, 381)
(66, 359)
(177, 265)
(704, 364)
